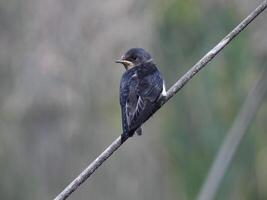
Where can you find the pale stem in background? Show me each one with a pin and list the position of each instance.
(233, 139)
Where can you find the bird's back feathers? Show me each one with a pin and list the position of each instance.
(128, 100)
(149, 89)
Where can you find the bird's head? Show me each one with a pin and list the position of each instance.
(134, 57)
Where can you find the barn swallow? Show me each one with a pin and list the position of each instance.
(141, 87)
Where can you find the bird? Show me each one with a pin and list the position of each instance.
(141, 88)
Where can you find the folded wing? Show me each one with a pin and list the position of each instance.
(149, 89)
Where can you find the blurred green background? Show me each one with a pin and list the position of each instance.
(59, 98)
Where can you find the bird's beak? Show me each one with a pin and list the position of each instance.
(124, 62)
(127, 64)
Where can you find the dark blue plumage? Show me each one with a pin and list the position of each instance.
(150, 87)
(128, 99)
(140, 88)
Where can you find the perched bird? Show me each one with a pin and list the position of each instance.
(141, 87)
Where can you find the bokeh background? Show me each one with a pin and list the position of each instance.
(59, 98)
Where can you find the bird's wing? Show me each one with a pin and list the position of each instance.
(132, 97)
(132, 104)
(123, 99)
(127, 82)
(150, 83)
(143, 111)
(149, 88)
(124, 96)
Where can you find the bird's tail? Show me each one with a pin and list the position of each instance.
(126, 135)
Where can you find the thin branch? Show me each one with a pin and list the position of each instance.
(233, 139)
(171, 92)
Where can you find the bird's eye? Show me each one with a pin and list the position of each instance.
(134, 57)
